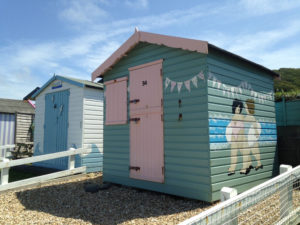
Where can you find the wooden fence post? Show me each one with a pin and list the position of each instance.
(71, 164)
(4, 173)
(286, 193)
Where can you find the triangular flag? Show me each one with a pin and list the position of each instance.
(232, 91)
(187, 85)
(173, 84)
(179, 85)
(167, 82)
(201, 75)
(194, 80)
(219, 85)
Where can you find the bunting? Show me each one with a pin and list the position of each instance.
(236, 91)
(187, 83)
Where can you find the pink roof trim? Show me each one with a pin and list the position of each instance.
(31, 103)
(139, 36)
(145, 65)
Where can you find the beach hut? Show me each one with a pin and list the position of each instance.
(69, 115)
(16, 119)
(187, 118)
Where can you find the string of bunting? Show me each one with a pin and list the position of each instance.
(235, 91)
(186, 83)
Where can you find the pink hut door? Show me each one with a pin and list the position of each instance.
(146, 125)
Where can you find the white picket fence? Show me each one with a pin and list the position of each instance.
(276, 201)
(6, 164)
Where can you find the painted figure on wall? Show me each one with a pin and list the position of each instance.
(253, 131)
(235, 134)
(243, 133)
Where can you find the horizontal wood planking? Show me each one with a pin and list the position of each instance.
(92, 130)
(23, 132)
(193, 180)
(232, 74)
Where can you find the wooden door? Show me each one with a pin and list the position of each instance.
(146, 124)
(56, 128)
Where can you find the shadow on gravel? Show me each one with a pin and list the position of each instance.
(114, 205)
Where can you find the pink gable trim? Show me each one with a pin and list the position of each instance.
(31, 103)
(145, 65)
(170, 41)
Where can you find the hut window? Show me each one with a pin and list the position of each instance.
(116, 101)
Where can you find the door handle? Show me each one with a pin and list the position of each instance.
(134, 101)
(136, 168)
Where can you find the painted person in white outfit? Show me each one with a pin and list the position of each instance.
(235, 135)
(253, 131)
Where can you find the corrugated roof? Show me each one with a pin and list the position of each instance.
(74, 81)
(13, 106)
(169, 41)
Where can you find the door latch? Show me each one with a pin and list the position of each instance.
(136, 168)
(135, 119)
(134, 101)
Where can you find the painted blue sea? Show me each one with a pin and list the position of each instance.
(217, 133)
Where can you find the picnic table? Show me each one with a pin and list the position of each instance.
(25, 148)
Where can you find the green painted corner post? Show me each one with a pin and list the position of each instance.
(286, 193)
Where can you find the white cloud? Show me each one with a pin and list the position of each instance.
(282, 57)
(137, 3)
(82, 12)
(262, 7)
(264, 39)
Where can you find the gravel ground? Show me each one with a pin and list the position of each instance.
(267, 212)
(67, 203)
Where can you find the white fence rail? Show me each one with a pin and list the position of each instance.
(276, 201)
(6, 164)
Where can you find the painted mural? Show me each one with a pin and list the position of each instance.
(243, 131)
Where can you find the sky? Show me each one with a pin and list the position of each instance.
(40, 38)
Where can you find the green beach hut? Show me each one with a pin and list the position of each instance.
(185, 117)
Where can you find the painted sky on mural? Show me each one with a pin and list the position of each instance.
(71, 38)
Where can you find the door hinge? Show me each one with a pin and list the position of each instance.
(161, 74)
(136, 168)
(162, 117)
(161, 102)
(163, 170)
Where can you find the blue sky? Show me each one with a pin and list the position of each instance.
(39, 38)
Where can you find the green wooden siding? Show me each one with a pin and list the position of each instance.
(186, 147)
(225, 75)
(287, 113)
